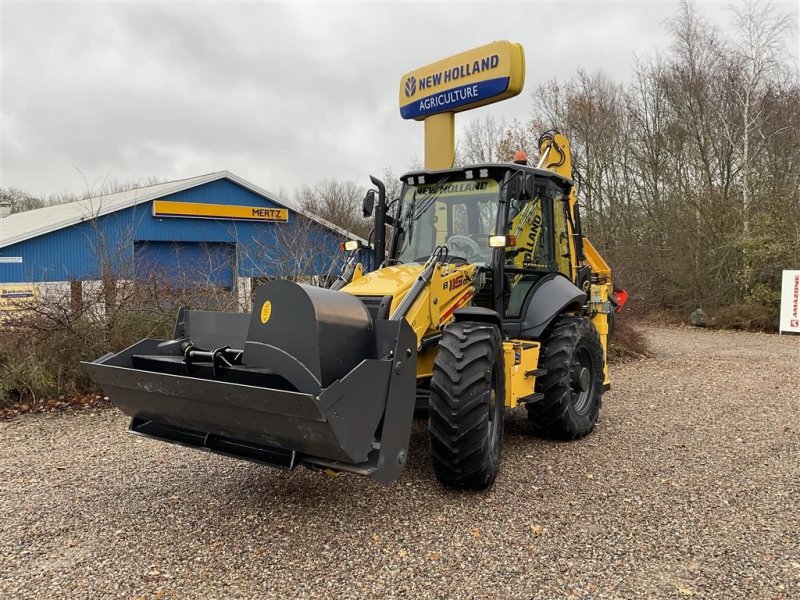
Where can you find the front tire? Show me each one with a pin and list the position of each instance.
(467, 406)
(572, 356)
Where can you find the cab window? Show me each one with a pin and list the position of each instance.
(561, 231)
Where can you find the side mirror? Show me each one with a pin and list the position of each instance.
(369, 204)
(527, 188)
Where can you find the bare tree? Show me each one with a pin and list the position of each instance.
(479, 140)
(761, 58)
(336, 201)
(517, 136)
(19, 200)
(22, 201)
(391, 180)
(691, 172)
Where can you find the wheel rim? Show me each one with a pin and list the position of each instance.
(493, 422)
(582, 381)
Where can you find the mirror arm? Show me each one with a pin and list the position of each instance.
(380, 222)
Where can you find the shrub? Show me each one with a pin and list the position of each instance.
(627, 342)
(40, 353)
(745, 317)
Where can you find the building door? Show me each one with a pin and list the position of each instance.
(186, 264)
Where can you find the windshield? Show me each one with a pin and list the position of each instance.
(459, 214)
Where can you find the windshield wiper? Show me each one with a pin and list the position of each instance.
(418, 209)
(421, 206)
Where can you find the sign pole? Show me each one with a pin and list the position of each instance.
(440, 141)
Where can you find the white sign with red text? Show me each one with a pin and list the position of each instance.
(790, 302)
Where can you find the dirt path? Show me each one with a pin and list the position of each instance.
(690, 486)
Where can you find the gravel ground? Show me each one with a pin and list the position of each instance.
(689, 486)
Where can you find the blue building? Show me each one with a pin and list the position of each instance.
(213, 229)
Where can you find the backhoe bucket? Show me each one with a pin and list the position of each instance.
(309, 377)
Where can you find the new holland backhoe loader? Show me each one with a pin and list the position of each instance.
(485, 297)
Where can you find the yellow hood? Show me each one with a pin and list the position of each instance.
(389, 281)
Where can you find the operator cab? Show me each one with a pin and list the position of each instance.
(524, 210)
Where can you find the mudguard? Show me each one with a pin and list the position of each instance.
(551, 296)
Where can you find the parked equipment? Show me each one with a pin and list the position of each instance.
(490, 298)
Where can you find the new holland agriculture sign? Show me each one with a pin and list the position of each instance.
(467, 80)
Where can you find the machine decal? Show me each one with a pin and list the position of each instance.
(461, 302)
(526, 228)
(455, 283)
(266, 311)
(457, 188)
(531, 240)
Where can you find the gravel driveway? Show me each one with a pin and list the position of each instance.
(689, 486)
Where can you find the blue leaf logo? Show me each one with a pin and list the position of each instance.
(411, 86)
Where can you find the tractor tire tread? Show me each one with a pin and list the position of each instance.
(555, 416)
(458, 415)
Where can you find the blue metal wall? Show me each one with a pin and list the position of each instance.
(80, 252)
(186, 264)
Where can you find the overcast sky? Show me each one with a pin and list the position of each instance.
(280, 94)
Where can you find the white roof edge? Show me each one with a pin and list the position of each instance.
(149, 193)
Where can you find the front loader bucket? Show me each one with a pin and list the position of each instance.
(288, 397)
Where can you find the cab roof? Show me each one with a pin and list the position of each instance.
(492, 167)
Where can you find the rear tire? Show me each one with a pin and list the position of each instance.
(572, 355)
(467, 406)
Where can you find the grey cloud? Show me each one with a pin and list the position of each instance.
(282, 94)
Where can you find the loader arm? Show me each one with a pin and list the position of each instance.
(450, 287)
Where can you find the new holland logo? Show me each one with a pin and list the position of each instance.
(411, 86)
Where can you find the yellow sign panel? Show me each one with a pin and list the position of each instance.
(473, 78)
(17, 297)
(166, 208)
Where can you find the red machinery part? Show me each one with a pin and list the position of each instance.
(619, 298)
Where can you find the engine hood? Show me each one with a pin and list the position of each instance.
(389, 281)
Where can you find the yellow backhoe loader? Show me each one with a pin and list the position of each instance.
(485, 296)
(489, 298)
